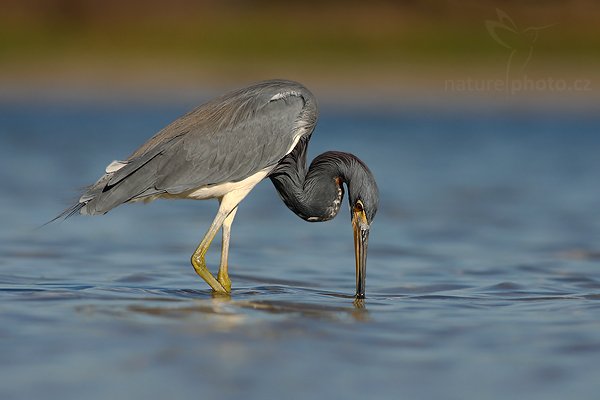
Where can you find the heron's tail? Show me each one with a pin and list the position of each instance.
(124, 181)
(86, 203)
(106, 194)
(69, 212)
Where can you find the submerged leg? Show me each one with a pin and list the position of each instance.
(198, 257)
(228, 204)
(223, 275)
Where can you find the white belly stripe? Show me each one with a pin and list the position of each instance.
(218, 191)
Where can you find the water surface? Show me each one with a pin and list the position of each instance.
(483, 274)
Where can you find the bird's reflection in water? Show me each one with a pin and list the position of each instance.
(230, 312)
(308, 310)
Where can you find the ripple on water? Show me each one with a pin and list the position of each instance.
(481, 280)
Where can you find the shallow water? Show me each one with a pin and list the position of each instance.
(483, 274)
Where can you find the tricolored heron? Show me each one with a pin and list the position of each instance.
(222, 149)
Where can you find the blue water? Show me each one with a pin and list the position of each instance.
(483, 273)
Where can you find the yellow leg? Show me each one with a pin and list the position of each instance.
(198, 261)
(227, 207)
(223, 275)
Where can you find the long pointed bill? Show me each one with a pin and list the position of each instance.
(361, 240)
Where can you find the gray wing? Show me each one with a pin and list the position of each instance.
(225, 140)
(231, 153)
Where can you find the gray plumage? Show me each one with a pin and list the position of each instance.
(225, 147)
(224, 140)
(315, 195)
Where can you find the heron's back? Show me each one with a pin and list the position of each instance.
(226, 140)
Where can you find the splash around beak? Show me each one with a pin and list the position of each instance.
(361, 240)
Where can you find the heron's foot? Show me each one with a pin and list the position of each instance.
(223, 278)
(200, 267)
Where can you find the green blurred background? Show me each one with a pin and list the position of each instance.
(379, 52)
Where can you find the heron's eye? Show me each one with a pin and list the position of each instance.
(359, 206)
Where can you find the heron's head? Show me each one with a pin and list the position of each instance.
(316, 199)
(363, 196)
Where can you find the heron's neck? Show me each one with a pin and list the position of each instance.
(316, 194)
